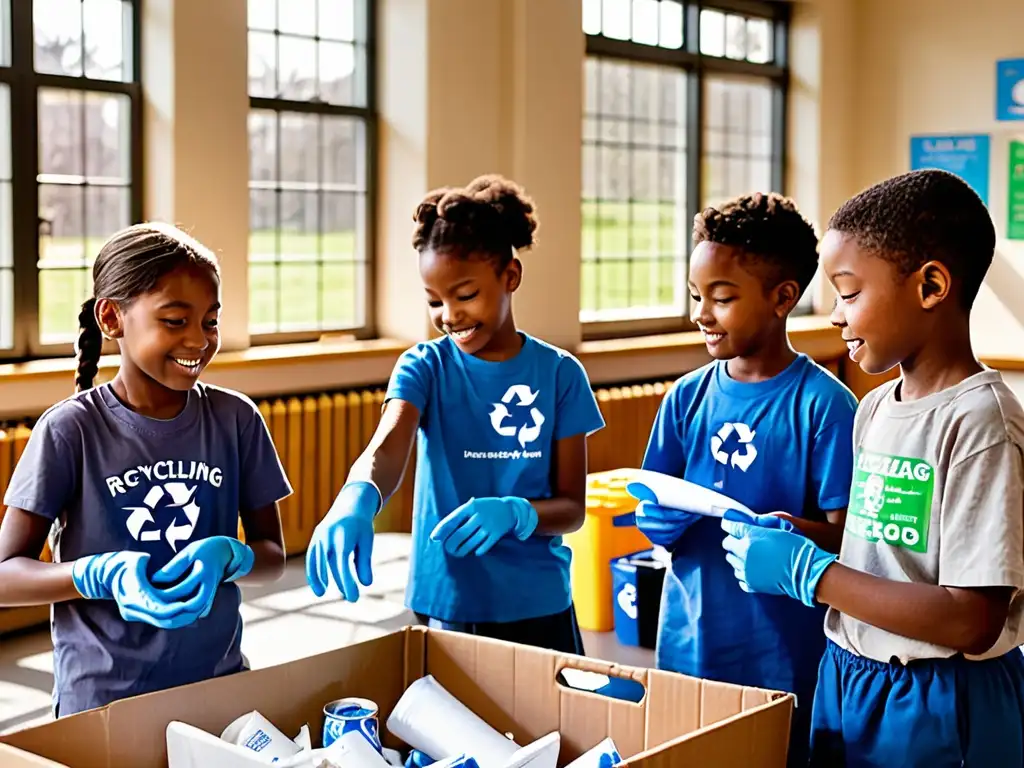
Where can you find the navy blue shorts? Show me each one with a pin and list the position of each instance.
(558, 632)
(931, 713)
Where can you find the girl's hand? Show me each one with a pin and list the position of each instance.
(479, 524)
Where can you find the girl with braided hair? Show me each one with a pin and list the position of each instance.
(502, 420)
(142, 481)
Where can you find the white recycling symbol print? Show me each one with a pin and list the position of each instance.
(182, 497)
(528, 432)
(741, 458)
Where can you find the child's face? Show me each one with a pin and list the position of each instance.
(878, 309)
(730, 304)
(171, 333)
(468, 299)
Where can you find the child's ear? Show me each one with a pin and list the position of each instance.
(935, 284)
(108, 317)
(787, 294)
(513, 275)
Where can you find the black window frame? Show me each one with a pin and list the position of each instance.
(25, 85)
(697, 66)
(370, 116)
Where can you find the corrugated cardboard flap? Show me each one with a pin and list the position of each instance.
(516, 689)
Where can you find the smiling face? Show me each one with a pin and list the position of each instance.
(730, 304)
(469, 299)
(170, 334)
(882, 313)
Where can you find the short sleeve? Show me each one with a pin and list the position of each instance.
(411, 377)
(576, 409)
(665, 446)
(982, 520)
(832, 454)
(263, 479)
(47, 474)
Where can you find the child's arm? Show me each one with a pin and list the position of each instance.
(385, 458)
(966, 620)
(265, 537)
(828, 535)
(24, 579)
(566, 510)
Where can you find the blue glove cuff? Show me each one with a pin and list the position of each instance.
(365, 495)
(525, 514)
(817, 562)
(87, 574)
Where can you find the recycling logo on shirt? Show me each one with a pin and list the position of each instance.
(182, 496)
(524, 398)
(744, 454)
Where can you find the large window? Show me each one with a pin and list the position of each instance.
(311, 129)
(684, 107)
(70, 110)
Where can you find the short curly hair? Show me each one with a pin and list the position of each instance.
(767, 228)
(920, 216)
(491, 216)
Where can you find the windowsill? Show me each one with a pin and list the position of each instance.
(262, 371)
(292, 369)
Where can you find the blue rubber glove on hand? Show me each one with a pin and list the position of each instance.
(762, 521)
(479, 524)
(207, 562)
(346, 533)
(121, 577)
(770, 560)
(663, 526)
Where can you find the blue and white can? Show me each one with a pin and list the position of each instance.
(351, 714)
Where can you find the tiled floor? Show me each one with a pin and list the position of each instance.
(283, 622)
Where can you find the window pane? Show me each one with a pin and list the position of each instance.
(84, 197)
(759, 41)
(592, 17)
(107, 39)
(308, 190)
(735, 37)
(615, 19)
(671, 35)
(712, 33)
(634, 173)
(263, 14)
(305, 215)
(738, 138)
(6, 234)
(5, 34)
(645, 22)
(103, 28)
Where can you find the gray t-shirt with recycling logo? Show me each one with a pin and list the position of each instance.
(937, 498)
(113, 480)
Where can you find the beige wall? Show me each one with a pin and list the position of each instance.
(928, 66)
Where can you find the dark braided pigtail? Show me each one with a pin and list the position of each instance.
(89, 346)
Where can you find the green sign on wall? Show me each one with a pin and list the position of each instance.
(1015, 198)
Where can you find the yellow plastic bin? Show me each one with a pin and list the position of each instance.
(608, 532)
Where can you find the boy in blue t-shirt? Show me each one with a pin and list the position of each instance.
(763, 425)
(502, 420)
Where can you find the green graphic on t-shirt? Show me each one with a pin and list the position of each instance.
(892, 500)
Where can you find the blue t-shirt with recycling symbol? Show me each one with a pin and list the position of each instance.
(489, 429)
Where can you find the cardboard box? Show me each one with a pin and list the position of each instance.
(680, 721)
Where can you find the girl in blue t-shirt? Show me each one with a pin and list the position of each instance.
(142, 481)
(502, 420)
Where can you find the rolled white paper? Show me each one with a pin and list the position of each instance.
(676, 493)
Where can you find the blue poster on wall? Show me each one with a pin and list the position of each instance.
(1010, 89)
(966, 156)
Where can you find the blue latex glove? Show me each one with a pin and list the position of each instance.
(121, 577)
(773, 561)
(663, 526)
(479, 524)
(346, 533)
(762, 521)
(207, 562)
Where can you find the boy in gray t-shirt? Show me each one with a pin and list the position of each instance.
(922, 666)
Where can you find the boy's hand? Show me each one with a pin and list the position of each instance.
(773, 561)
(200, 568)
(663, 526)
